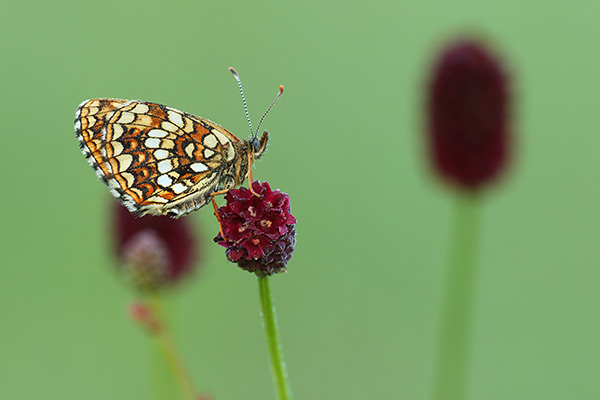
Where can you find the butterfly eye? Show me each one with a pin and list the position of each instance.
(256, 145)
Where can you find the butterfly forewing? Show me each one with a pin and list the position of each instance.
(156, 159)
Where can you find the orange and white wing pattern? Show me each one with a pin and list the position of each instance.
(158, 160)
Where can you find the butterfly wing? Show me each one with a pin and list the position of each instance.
(156, 159)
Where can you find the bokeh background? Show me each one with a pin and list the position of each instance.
(359, 308)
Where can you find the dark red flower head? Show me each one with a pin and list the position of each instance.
(258, 232)
(154, 251)
(467, 110)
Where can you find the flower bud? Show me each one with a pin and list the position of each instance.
(468, 115)
(145, 260)
(144, 316)
(154, 252)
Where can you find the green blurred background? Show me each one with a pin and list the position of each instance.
(359, 308)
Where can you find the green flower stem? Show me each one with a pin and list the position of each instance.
(450, 379)
(278, 367)
(162, 383)
(172, 357)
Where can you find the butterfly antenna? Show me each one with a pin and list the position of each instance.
(269, 109)
(239, 81)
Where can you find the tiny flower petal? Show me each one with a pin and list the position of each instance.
(234, 253)
(290, 220)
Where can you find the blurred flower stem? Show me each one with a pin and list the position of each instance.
(278, 367)
(169, 351)
(451, 369)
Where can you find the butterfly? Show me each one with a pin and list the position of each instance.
(158, 160)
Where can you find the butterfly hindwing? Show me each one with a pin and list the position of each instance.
(156, 159)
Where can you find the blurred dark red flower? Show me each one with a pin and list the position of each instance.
(153, 251)
(468, 115)
(258, 232)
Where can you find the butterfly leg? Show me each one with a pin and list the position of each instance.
(250, 178)
(214, 203)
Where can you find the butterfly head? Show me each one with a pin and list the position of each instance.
(259, 146)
